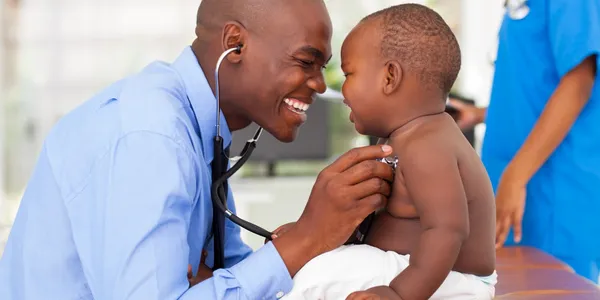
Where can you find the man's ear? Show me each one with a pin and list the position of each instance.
(392, 76)
(234, 35)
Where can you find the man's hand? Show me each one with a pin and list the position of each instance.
(376, 293)
(345, 193)
(468, 115)
(281, 230)
(204, 272)
(510, 206)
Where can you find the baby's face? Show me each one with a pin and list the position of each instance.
(363, 69)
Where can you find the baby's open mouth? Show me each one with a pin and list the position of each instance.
(296, 106)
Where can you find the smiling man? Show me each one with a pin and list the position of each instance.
(119, 203)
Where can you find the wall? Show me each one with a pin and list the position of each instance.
(70, 49)
(2, 100)
(480, 22)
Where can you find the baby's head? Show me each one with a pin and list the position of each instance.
(400, 63)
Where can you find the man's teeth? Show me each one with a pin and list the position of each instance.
(296, 105)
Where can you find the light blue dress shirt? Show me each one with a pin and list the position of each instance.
(119, 202)
(563, 198)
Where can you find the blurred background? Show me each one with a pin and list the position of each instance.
(55, 54)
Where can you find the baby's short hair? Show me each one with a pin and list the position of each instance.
(420, 38)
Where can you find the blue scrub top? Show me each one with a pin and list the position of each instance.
(562, 213)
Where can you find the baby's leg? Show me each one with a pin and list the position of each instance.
(336, 274)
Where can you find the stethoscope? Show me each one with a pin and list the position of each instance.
(517, 9)
(220, 175)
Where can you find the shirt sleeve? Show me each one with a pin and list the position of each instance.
(574, 29)
(262, 275)
(144, 251)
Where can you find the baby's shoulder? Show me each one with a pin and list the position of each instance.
(423, 142)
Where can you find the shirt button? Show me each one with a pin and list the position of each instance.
(279, 295)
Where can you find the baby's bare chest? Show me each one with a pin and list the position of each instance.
(400, 204)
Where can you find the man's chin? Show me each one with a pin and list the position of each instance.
(283, 131)
(287, 136)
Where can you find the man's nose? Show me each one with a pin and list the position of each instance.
(317, 83)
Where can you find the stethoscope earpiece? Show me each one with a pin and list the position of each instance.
(238, 49)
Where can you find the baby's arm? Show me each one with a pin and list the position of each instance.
(433, 181)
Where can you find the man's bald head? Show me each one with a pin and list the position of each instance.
(259, 17)
(284, 45)
(214, 13)
(252, 14)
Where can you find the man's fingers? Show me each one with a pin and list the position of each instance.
(371, 204)
(357, 155)
(366, 170)
(370, 187)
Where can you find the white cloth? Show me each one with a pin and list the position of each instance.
(336, 274)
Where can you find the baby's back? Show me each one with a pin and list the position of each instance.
(399, 227)
(478, 253)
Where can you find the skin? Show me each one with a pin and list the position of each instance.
(288, 50)
(468, 116)
(204, 272)
(282, 56)
(557, 118)
(441, 199)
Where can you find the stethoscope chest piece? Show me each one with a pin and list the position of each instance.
(517, 9)
(390, 161)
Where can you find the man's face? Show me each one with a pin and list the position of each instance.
(283, 67)
(363, 70)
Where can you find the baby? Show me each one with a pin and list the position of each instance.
(435, 238)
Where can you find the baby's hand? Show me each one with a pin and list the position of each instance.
(281, 230)
(376, 293)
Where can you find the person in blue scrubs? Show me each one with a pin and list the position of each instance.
(119, 203)
(542, 141)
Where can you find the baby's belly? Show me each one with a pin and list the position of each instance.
(392, 233)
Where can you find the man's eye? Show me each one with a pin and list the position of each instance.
(306, 63)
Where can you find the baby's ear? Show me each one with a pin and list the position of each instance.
(393, 77)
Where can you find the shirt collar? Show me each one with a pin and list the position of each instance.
(203, 101)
